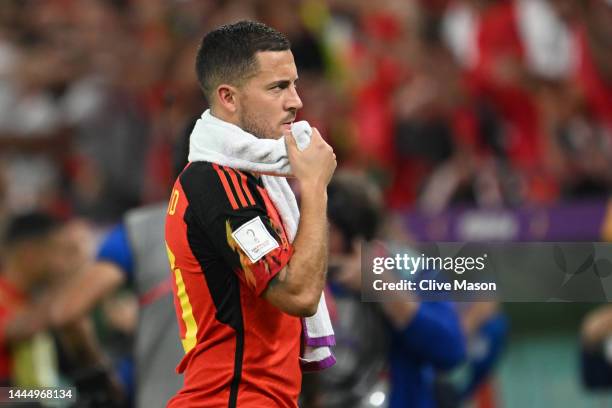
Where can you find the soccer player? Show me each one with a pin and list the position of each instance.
(239, 314)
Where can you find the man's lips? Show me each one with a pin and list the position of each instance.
(287, 124)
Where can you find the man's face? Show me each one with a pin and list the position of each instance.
(35, 257)
(268, 102)
(56, 256)
(69, 249)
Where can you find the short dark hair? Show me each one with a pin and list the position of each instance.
(28, 227)
(227, 54)
(354, 206)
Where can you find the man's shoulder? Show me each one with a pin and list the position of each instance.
(207, 172)
(210, 180)
(197, 169)
(198, 177)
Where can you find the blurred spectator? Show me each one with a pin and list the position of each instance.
(596, 349)
(415, 338)
(39, 255)
(134, 254)
(437, 137)
(486, 331)
(32, 133)
(490, 102)
(27, 261)
(583, 129)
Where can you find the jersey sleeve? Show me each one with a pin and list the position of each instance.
(239, 221)
(115, 248)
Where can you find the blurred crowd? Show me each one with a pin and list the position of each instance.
(490, 103)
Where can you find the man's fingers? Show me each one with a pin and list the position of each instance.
(290, 141)
(316, 136)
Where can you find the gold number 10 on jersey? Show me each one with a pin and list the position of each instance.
(173, 202)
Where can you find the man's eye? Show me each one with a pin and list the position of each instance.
(280, 86)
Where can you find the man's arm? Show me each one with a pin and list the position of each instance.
(78, 296)
(597, 326)
(28, 321)
(297, 288)
(93, 372)
(86, 290)
(434, 335)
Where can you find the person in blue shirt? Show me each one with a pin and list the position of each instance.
(405, 339)
(486, 328)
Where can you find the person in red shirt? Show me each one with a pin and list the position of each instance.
(28, 253)
(593, 71)
(239, 314)
(39, 255)
(10, 300)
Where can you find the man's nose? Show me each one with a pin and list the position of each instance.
(293, 101)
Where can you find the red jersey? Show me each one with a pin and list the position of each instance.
(10, 300)
(225, 242)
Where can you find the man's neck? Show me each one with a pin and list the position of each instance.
(217, 113)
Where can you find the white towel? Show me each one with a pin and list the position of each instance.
(216, 141)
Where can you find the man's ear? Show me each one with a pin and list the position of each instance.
(226, 96)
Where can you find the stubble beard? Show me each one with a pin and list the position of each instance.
(251, 123)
